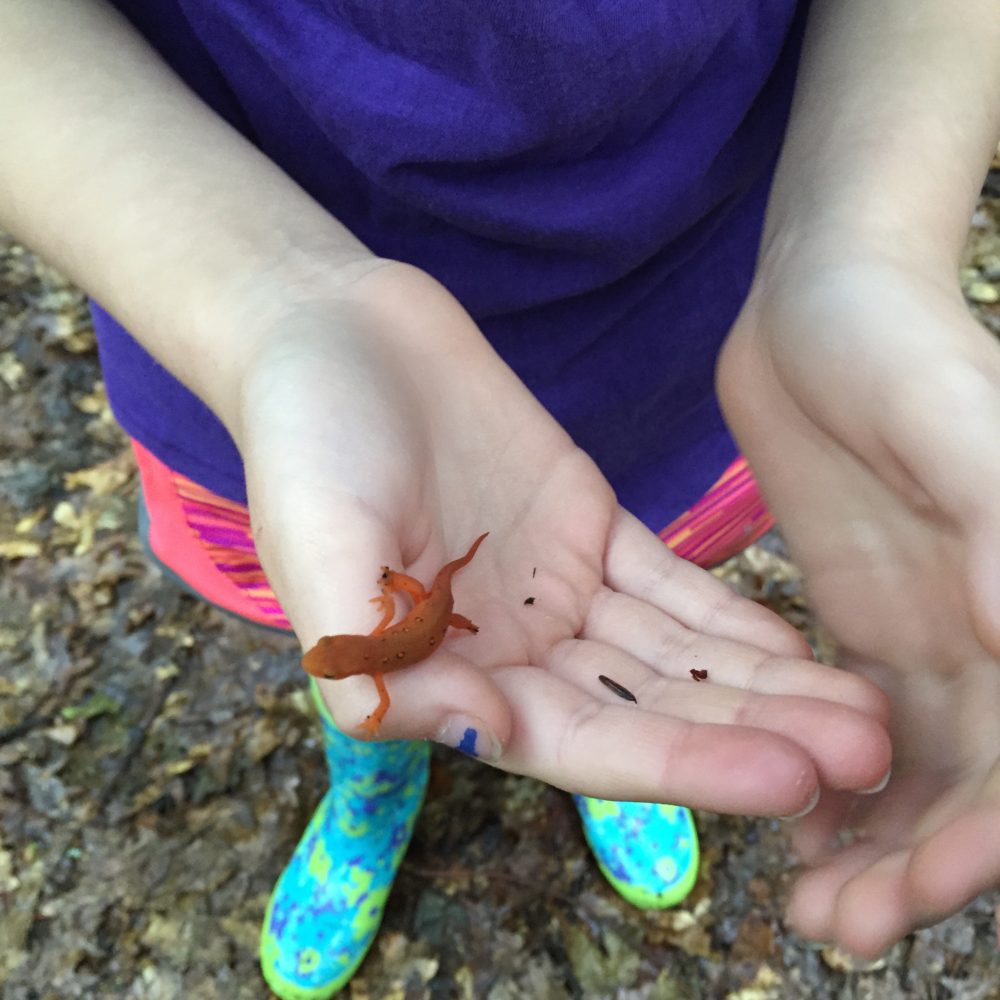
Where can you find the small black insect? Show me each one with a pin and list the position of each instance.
(529, 600)
(699, 675)
(622, 692)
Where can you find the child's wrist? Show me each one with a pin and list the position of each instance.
(301, 319)
(805, 266)
(829, 238)
(265, 307)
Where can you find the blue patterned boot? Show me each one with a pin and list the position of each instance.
(648, 852)
(327, 905)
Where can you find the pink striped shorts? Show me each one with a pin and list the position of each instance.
(205, 541)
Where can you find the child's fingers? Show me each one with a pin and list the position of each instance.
(869, 895)
(563, 736)
(639, 564)
(673, 650)
(850, 749)
(960, 859)
(526, 721)
(531, 720)
(865, 901)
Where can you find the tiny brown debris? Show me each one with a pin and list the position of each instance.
(620, 690)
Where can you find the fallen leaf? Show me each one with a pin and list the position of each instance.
(841, 961)
(96, 704)
(64, 734)
(600, 964)
(167, 671)
(19, 548)
(754, 940)
(102, 479)
(95, 401)
(12, 372)
(982, 291)
(30, 521)
(765, 985)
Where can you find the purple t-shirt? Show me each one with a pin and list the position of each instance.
(588, 178)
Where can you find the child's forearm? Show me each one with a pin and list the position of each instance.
(117, 173)
(896, 115)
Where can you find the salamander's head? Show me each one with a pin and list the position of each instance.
(338, 656)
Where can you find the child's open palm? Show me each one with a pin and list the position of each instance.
(381, 429)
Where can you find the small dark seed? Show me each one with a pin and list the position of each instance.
(622, 692)
(529, 600)
(699, 675)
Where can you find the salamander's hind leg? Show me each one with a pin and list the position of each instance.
(372, 723)
(460, 621)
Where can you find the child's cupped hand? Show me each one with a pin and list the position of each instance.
(378, 428)
(868, 402)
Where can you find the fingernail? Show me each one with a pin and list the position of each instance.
(471, 737)
(808, 808)
(875, 789)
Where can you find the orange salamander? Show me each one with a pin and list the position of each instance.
(392, 647)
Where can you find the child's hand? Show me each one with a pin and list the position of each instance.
(868, 402)
(380, 428)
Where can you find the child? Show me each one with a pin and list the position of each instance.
(588, 182)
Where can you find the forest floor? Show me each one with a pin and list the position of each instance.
(158, 761)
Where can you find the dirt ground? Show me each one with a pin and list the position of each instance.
(158, 761)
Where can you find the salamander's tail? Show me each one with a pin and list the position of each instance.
(450, 569)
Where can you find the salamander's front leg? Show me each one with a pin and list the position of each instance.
(391, 581)
(388, 608)
(372, 723)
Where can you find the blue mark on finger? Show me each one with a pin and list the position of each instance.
(467, 745)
